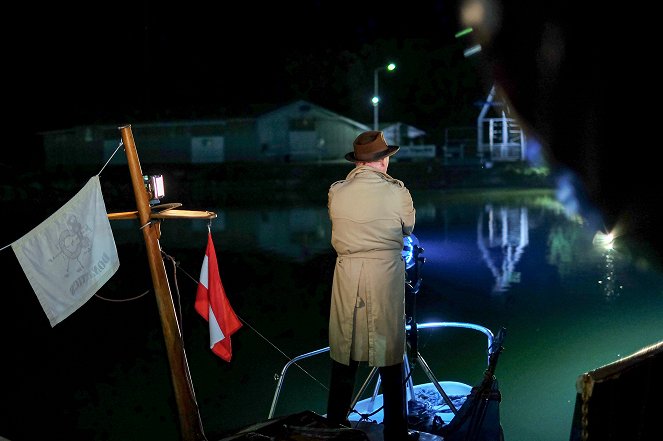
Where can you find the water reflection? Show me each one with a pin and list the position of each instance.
(510, 260)
(492, 254)
(605, 242)
(563, 245)
(502, 235)
(294, 233)
(299, 233)
(500, 243)
(608, 280)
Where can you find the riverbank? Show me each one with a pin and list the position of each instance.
(251, 184)
(248, 184)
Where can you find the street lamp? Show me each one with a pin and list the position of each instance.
(376, 98)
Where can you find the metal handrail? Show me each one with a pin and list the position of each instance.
(279, 385)
(431, 325)
(489, 334)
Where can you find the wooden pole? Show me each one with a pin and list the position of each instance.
(190, 422)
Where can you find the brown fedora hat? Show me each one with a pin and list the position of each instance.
(370, 146)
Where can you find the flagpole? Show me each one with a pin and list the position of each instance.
(189, 415)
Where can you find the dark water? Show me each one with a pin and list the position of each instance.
(496, 259)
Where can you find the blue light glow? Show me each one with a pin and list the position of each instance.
(409, 242)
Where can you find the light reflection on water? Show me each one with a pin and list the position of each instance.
(520, 262)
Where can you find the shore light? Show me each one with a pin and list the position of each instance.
(376, 97)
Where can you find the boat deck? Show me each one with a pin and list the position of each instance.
(374, 432)
(309, 426)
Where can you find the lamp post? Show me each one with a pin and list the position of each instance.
(376, 98)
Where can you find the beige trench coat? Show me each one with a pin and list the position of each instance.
(370, 213)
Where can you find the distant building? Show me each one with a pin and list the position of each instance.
(302, 131)
(499, 136)
(298, 132)
(412, 142)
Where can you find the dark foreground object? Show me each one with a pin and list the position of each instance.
(621, 400)
(309, 426)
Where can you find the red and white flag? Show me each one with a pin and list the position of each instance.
(212, 304)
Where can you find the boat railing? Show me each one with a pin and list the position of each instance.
(431, 325)
(487, 332)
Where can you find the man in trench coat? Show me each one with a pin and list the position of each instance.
(370, 213)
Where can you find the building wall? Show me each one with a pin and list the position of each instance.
(241, 140)
(302, 131)
(297, 132)
(337, 138)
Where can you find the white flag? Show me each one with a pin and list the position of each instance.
(71, 255)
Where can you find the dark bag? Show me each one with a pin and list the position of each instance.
(478, 419)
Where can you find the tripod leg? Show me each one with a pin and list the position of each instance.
(436, 383)
(363, 388)
(407, 373)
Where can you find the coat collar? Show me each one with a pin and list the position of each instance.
(366, 169)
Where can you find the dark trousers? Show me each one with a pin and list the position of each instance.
(341, 390)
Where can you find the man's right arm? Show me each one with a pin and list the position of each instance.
(408, 212)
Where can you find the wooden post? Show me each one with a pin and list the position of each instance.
(190, 422)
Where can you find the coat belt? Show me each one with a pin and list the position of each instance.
(376, 254)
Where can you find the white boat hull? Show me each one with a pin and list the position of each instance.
(426, 398)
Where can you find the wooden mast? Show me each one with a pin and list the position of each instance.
(189, 416)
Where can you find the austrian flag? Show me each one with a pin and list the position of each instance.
(212, 304)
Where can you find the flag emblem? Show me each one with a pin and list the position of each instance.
(70, 255)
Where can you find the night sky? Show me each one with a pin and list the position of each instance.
(128, 62)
